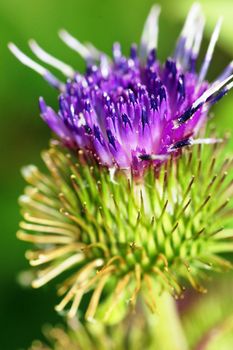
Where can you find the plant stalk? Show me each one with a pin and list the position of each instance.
(168, 329)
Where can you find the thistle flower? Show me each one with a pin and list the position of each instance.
(116, 234)
(133, 111)
(116, 239)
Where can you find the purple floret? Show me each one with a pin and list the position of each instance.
(131, 112)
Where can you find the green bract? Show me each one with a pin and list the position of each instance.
(118, 238)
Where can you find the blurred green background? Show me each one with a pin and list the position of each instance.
(23, 135)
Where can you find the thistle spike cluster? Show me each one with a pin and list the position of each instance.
(119, 238)
(132, 111)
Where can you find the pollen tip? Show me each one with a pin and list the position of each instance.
(11, 45)
(32, 43)
(176, 124)
(62, 32)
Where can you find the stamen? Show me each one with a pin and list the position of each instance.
(133, 51)
(112, 172)
(210, 51)
(67, 70)
(150, 157)
(95, 53)
(221, 93)
(104, 66)
(149, 37)
(47, 75)
(205, 97)
(206, 141)
(199, 35)
(191, 37)
(197, 42)
(116, 51)
(226, 73)
(75, 45)
(187, 31)
(180, 144)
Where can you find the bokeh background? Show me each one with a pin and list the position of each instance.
(23, 134)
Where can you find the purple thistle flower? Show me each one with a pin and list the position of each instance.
(130, 112)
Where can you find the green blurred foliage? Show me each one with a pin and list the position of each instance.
(23, 135)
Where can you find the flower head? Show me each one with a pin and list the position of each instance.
(132, 111)
(112, 237)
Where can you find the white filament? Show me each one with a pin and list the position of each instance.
(205, 141)
(74, 44)
(199, 35)
(229, 86)
(95, 53)
(193, 32)
(51, 60)
(26, 60)
(210, 51)
(212, 90)
(195, 9)
(149, 39)
(227, 71)
(188, 31)
(104, 66)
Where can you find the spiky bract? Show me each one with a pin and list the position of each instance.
(116, 237)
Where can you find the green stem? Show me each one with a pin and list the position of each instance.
(168, 329)
(214, 333)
